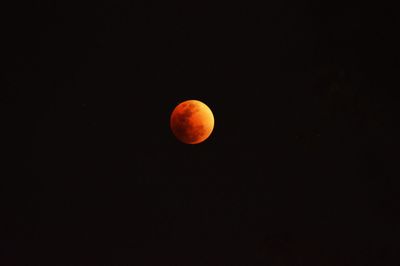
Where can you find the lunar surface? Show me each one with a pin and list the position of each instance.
(192, 122)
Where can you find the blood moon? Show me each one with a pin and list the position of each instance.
(192, 122)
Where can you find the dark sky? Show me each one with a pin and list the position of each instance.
(301, 169)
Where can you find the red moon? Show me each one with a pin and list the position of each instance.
(192, 122)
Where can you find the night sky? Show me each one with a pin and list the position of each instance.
(301, 169)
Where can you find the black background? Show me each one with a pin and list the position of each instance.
(301, 169)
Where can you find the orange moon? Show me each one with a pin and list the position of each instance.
(192, 122)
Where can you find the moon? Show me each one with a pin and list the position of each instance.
(192, 122)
